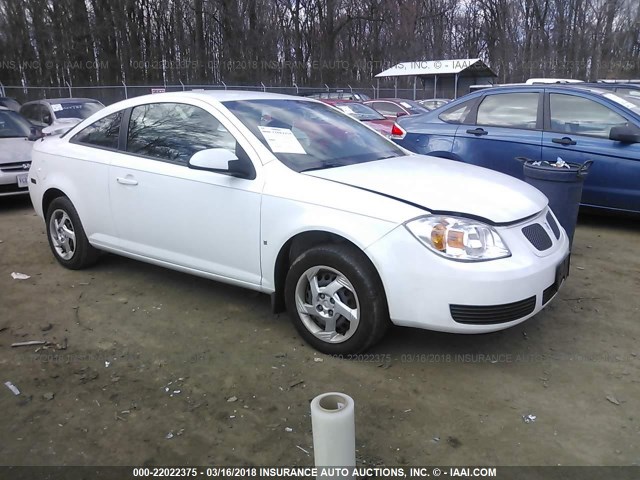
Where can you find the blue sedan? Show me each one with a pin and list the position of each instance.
(490, 127)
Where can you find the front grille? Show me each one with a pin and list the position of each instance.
(12, 188)
(553, 224)
(548, 293)
(537, 235)
(15, 167)
(487, 314)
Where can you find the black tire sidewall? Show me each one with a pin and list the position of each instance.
(354, 265)
(84, 254)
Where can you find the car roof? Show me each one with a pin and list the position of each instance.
(333, 101)
(208, 96)
(62, 100)
(231, 95)
(555, 88)
(396, 100)
(611, 86)
(548, 86)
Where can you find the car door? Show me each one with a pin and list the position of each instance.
(165, 211)
(577, 129)
(502, 127)
(86, 171)
(435, 136)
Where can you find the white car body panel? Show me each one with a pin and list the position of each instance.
(61, 125)
(233, 229)
(445, 186)
(398, 257)
(80, 173)
(16, 151)
(213, 218)
(294, 203)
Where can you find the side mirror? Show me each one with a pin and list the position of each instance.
(625, 134)
(401, 114)
(47, 119)
(221, 160)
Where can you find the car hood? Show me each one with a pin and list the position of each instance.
(14, 150)
(61, 125)
(443, 186)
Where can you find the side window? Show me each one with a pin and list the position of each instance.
(101, 133)
(458, 113)
(514, 110)
(581, 116)
(173, 132)
(29, 112)
(387, 108)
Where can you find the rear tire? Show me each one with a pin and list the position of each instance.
(66, 236)
(336, 300)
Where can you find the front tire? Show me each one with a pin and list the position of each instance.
(335, 299)
(66, 236)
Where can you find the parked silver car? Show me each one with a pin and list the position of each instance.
(15, 152)
(57, 115)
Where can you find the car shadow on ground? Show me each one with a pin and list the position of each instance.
(177, 280)
(597, 218)
(15, 202)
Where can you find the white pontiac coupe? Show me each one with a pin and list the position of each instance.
(290, 197)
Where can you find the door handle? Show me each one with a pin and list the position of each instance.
(477, 131)
(126, 181)
(564, 141)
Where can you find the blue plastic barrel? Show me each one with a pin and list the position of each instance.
(562, 186)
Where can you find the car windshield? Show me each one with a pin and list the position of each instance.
(359, 111)
(308, 135)
(13, 125)
(625, 101)
(77, 109)
(10, 103)
(631, 97)
(414, 108)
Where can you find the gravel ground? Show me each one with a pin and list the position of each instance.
(146, 366)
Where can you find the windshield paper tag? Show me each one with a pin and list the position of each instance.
(56, 107)
(281, 140)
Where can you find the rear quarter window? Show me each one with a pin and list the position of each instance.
(103, 133)
(457, 113)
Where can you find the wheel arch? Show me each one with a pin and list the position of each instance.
(445, 155)
(297, 244)
(49, 196)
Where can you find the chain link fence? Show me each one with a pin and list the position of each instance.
(109, 94)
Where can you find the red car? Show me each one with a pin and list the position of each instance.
(393, 108)
(363, 113)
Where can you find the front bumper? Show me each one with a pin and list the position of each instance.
(428, 291)
(9, 173)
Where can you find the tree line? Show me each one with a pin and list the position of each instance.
(308, 42)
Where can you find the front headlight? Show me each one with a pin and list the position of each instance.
(458, 238)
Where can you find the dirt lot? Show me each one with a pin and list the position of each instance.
(421, 397)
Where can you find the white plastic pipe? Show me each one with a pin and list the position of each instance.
(334, 435)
